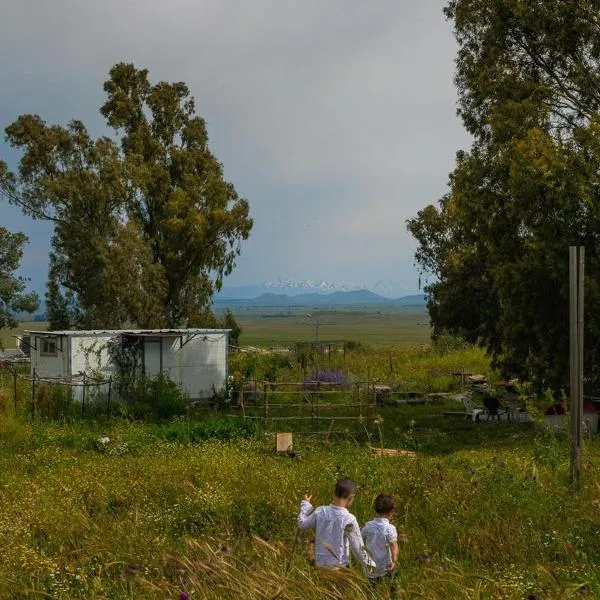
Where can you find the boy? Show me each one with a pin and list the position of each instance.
(336, 528)
(381, 538)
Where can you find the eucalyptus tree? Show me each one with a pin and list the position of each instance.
(145, 225)
(13, 295)
(495, 247)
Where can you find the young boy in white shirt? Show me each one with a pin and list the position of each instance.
(381, 538)
(336, 529)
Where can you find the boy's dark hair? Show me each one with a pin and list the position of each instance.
(344, 488)
(384, 504)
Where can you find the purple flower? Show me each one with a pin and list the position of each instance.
(331, 376)
(184, 596)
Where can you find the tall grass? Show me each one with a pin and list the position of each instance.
(417, 368)
(125, 510)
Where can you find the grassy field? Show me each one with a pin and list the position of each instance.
(385, 327)
(404, 326)
(202, 507)
(7, 339)
(125, 510)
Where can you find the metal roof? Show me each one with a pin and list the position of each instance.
(138, 332)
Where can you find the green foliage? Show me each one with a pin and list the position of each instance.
(527, 77)
(230, 322)
(145, 230)
(12, 288)
(444, 343)
(156, 398)
(54, 401)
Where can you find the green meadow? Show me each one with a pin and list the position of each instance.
(401, 326)
(202, 506)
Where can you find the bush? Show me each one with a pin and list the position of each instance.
(158, 399)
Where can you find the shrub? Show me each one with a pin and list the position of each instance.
(158, 398)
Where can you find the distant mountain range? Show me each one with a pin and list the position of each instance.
(290, 292)
(351, 298)
(295, 287)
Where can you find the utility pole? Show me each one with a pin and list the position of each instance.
(576, 296)
(316, 320)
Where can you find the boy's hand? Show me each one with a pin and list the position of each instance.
(307, 497)
(391, 566)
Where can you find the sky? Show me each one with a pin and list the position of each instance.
(336, 119)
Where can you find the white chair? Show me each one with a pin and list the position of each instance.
(471, 409)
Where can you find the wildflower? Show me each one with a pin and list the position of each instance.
(104, 439)
(184, 596)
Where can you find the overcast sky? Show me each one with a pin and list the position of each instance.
(336, 119)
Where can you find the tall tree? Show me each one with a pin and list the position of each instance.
(145, 229)
(496, 245)
(13, 297)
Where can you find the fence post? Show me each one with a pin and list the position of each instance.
(109, 391)
(83, 399)
(266, 402)
(15, 390)
(33, 395)
(241, 401)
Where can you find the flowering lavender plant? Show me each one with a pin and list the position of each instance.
(329, 377)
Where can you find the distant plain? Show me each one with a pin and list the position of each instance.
(372, 325)
(377, 326)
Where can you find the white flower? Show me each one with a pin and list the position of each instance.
(104, 439)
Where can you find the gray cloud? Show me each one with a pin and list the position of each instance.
(336, 119)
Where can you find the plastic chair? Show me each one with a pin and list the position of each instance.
(472, 409)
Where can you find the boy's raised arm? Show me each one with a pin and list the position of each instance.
(306, 517)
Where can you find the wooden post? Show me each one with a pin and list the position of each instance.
(108, 401)
(33, 395)
(576, 305)
(265, 403)
(241, 400)
(15, 389)
(83, 399)
(312, 404)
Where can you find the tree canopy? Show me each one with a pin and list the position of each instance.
(496, 245)
(145, 225)
(13, 298)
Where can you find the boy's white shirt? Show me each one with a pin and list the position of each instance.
(336, 533)
(378, 534)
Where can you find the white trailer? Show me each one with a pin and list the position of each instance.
(195, 359)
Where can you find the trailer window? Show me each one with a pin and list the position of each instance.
(49, 347)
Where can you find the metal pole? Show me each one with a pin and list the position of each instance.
(580, 336)
(576, 297)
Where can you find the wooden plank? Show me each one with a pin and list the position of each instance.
(284, 441)
(393, 452)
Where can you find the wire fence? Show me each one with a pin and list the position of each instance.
(33, 394)
(314, 403)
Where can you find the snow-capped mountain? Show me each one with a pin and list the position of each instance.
(295, 287)
(309, 285)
